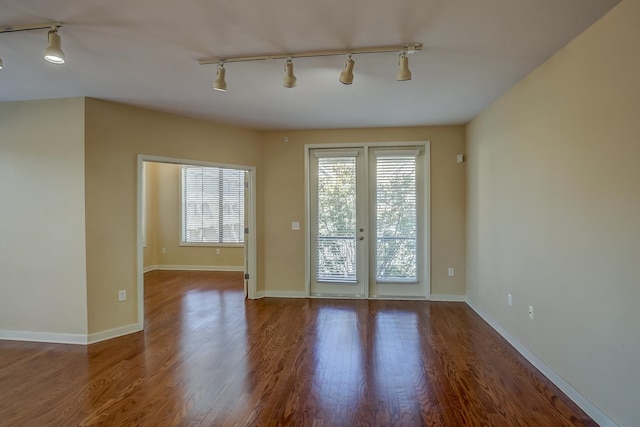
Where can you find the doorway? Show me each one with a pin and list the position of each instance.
(368, 210)
(246, 229)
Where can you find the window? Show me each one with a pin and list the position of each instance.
(212, 205)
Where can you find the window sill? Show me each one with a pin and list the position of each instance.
(212, 245)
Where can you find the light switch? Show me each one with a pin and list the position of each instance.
(295, 225)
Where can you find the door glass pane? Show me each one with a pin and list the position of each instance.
(396, 219)
(336, 237)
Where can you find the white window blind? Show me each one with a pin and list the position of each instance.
(396, 216)
(212, 205)
(336, 213)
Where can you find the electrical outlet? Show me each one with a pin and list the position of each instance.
(164, 250)
(509, 299)
(122, 295)
(452, 271)
(217, 251)
(530, 312)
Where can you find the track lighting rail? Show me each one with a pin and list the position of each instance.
(29, 27)
(408, 48)
(346, 76)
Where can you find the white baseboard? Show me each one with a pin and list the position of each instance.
(448, 298)
(113, 333)
(303, 294)
(578, 398)
(195, 267)
(48, 337)
(81, 339)
(285, 294)
(259, 294)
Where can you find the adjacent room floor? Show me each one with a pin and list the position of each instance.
(209, 357)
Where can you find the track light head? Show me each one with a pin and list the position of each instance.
(404, 73)
(220, 84)
(346, 76)
(1, 64)
(289, 80)
(53, 53)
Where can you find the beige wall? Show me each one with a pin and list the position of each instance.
(42, 239)
(166, 187)
(284, 249)
(554, 212)
(115, 135)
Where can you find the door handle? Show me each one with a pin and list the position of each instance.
(361, 238)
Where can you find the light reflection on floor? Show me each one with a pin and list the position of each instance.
(205, 312)
(396, 351)
(338, 359)
(345, 361)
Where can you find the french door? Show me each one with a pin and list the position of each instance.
(368, 231)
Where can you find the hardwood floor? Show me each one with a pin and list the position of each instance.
(208, 357)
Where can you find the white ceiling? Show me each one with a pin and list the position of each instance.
(145, 52)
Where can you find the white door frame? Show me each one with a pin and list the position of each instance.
(427, 206)
(251, 254)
